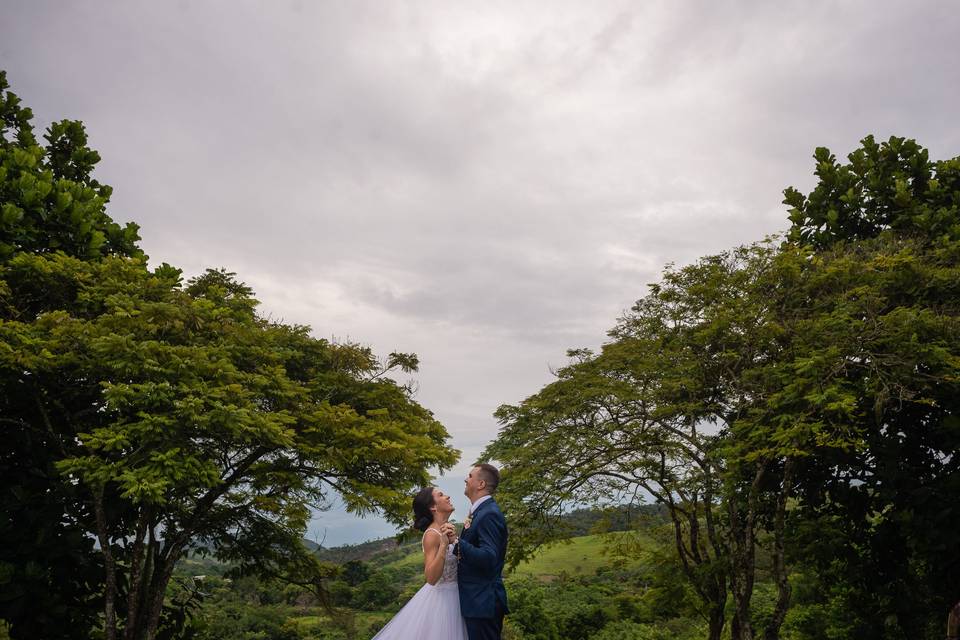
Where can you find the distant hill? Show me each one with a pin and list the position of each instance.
(582, 522)
(583, 555)
(363, 551)
(580, 555)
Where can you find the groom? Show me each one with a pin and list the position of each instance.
(481, 550)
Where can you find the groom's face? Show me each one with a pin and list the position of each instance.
(473, 484)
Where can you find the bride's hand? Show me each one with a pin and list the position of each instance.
(450, 531)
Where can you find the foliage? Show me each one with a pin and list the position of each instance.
(48, 200)
(160, 417)
(627, 630)
(882, 331)
(237, 615)
(378, 591)
(50, 574)
(528, 613)
(355, 572)
(771, 392)
(891, 185)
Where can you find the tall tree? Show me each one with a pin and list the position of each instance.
(828, 366)
(649, 416)
(884, 321)
(49, 202)
(165, 417)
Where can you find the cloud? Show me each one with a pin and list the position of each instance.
(484, 184)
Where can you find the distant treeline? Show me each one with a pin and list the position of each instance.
(580, 522)
(584, 522)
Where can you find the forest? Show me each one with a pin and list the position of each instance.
(764, 446)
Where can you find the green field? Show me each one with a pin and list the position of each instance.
(413, 558)
(576, 556)
(579, 556)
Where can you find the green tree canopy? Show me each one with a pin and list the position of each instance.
(881, 330)
(49, 200)
(828, 368)
(890, 185)
(164, 416)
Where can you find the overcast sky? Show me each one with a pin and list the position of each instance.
(486, 184)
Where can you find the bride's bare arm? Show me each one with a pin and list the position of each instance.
(434, 553)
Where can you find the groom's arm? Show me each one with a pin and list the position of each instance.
(482, 552)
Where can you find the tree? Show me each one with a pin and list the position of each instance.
(886, 324)
(827, 366)
(49, 200)
(355, 572)
(172, 417)
(527, 612)
(654, 414)
(50, 573)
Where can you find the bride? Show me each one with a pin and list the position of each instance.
(433, 613)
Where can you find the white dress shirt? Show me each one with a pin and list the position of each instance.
(473, 507)
(480, 500)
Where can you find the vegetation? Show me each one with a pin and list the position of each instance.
(145, 417)
(766, 443)
(575, 589)
(792, 404)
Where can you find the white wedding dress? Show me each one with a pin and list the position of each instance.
(433, 613)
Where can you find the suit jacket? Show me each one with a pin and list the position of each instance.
(482, 550)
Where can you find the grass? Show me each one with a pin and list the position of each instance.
(576, 556)
(414, 558)
(580, 556)
(583, 555)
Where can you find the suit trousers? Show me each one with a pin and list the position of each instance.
(486, 628)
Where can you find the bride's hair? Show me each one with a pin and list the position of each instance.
(422, 516)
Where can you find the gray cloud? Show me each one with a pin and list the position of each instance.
(485, 184)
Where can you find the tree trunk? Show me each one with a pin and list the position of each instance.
(716, 622)
(163, 571)
(110, 566)
(134, 595)
(953, 623)
(780, 576)
(717, 617)
(741, 588)
(153, 548)
(743, 557)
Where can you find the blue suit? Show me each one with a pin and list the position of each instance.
(482, 550)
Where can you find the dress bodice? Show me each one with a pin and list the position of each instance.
(449, 565)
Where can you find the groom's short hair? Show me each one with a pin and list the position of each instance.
(490, 475)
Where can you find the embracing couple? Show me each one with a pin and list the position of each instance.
(463, 598)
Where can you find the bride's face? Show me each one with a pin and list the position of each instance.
(442, 502)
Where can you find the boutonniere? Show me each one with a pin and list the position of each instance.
(466, 523)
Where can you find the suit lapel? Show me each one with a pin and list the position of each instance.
(478, 512)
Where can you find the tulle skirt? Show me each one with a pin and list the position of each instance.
(433, 613)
